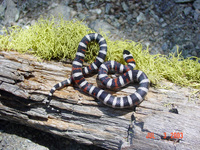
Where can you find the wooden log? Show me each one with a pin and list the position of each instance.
(167, 119)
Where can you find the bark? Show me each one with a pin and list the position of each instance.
(25, 83)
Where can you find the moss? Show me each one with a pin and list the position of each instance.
(54, 38)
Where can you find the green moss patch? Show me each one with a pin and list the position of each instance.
(54, 38)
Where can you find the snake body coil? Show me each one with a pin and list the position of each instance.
(129, 75)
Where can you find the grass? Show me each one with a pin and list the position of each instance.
(54, 38)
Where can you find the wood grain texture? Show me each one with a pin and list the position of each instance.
(25, 83)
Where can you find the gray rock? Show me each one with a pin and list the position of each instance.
(17, 16)
(135, 14)
(81, 16)
(196, 14)
(164, 25)
(161, 20)
(196, 4)
(124, 6)
(79, 7)
(194, 53)
(2, 9)
(183, 1)
(141, 17)
(96, 11)
(10, 12)
(116, 23)
(156, 33)
(154, 15)
(129, 17)
(61, 10)
(100, 24)
(108, 7)
(165, 46)
(187, 10)
(174, 50)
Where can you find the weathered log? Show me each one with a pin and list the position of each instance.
(25, 83)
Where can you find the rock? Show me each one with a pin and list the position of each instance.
(196, 4)
(194, 53)
(99, 25)
(161, 20)
(154, 15)
(129, 17)
(155, 33)
(187, 10)
(165, 46)
(81, 16)
(164, 25)
(124, 6)
(73, 13)
(183, 1)
(196, 14)
(79, 7)
(116, 24)
(61, 10)
(108, 7)
(11, 11)
(2, 9)
(95, 11)
(174, 50)
(141, 17)
(135, 14)
(17, 16)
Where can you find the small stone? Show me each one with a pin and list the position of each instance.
(92, 17)
(79, 7)
(2, 9)
(141, 17)
(116, 24)
(73, 13)
(196, 4)
(154, 15)
(174, 50)
(135, 14)
(187, 10)
(124, 6)
(164, 25)
(161, 20)
(194, 53)
(112, 10)
(108, 7)
(165, 46)
(129, 17)
(53, 5)
(98, 25)
(196, 14)
(82, 16)
(17, 16)
(96, 11)
(155, 33)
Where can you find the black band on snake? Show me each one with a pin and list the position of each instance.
(128, 75)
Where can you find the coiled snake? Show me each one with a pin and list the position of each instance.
(129, 75)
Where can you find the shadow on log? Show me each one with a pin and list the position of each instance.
(167, 119)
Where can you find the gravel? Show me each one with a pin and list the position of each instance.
(161, 23)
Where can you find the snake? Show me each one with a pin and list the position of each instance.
(127, 75)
